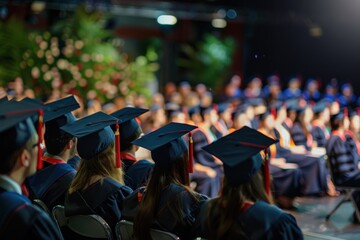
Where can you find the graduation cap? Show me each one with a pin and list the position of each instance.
(129, 127)
(166, 143)
(58, 114)
(60, 107)
(17, 127)
(95, 135)
(222, 107)
(320, 106)
(171, 109)
(239, 151)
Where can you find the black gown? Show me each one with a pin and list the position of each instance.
(260, 221)
(314, 172)
(205, 185)
(51, 184)
(138, 174)
(104, 198)
(318, 136)
(165, 219)
(19, 219)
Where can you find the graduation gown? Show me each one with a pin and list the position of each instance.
(260, 221)
(19, 219)
(313, 169)
(51, 184)
(138, 174)
(286, 182)
(186, 226)
(298, 136)
(319, 135)
(104, 198)
(205, 184)
(342, 154)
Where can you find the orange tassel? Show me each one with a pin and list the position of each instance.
(267, 173)
(40, 142)
(117, 146)
(191, 151)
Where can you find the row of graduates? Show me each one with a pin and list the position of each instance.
(98, 186)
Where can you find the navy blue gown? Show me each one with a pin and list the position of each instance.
(104, 198)
(286, 182)
(138, 174)
(166, 219)
(205, 184)
(298, 135)
(314, 172)
(318, 136)
(260, 221)
(19, 219)
(51, 184)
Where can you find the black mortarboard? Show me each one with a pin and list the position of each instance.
(194, 110)
(60, 107)
(17, 126)
(128, 125)
(58, 114)
(222, 107)
(93, 132)
(166, 143)
(239, 151)
(320, 106)
(255, 101)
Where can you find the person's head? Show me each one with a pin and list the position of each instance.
(59, 114)
(346, 89)
(170, 154)
(19, 150)
(294, 83)
(267, 120)
(209, 115)
(321, 111)
(95, 146)
(129, 127)
(239, 151)
(354, 121)
(339, 121)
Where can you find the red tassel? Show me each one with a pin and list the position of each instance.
(346, 112)
(117, 146)
(191, 151)
(267, 173)
(40, 142)
(139, 196)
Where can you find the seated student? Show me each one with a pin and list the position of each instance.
(168, 203)
(243, 209)
(343, 155)
(98, 185)
(136, 172)
(319, 131)
(19, 150)
(51, 183)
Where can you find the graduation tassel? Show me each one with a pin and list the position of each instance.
(267, 172)
(273, 112)
(346, 112)
(117, 146)
(40, 142)
(191, 150)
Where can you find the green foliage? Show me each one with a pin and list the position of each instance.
(77, 56)
(209, 61)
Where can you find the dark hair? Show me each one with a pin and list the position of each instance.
(224, 211)
(56, 144)
(125, 143)
(336, 123)
(162, 177)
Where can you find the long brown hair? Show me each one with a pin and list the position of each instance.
(103, 164)
(224, 211)
(162, 177)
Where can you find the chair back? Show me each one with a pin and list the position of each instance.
(58, 214)
(41, 204)
(124, 231)
(89, 226)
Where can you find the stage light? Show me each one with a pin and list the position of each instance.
(218, 23)
(167, 20)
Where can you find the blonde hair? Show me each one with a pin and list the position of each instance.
(102, 165)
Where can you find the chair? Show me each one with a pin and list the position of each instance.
(124, 231)
(41, 205)
(58, 213)
(347, 193)
(89, 226)
(85, 226)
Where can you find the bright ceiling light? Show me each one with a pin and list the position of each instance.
(218, 23)
(167, 20)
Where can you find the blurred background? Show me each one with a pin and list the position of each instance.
(118, 47)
